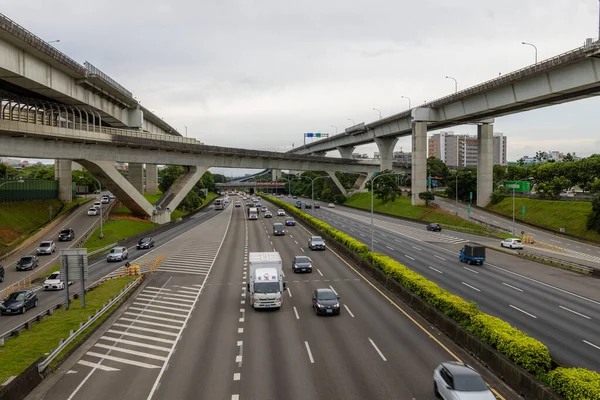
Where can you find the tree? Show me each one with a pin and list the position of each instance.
(467, 183)
(8, 172)
(499, 174)
(427, 197)
(437, 168)
(593, 218)
(541, 156)
(521, 161)
(568, 158)
(385, 187)
(169, 175)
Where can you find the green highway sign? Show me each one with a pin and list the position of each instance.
(519, 186)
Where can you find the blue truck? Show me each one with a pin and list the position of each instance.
(472, 254)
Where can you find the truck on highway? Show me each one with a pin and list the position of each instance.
(252, 213)
(472, 254)
(218, 204)
(266, 283)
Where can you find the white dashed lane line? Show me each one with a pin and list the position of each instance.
(524, 312)
(575, 312)
(512, 287)
(310, 356)
(441, 258)
(472, 287)
(377, 349)
(349, 312)
(472, 270)
(436, 270)
(409, 257)
(391, 248)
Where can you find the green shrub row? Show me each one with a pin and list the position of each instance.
(525, 351)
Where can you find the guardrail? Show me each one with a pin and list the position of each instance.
(560, 262)
(491, 226)
(82, 327)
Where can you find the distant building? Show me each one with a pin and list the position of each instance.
(461, 150)
(376, 155)
(499, 149)
(402, 157)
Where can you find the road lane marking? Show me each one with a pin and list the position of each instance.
(441, 258)
(238, 359)
(472, 287)
(296, 241)
(512, 287)
(235, 397)
(134, 343)
(135, 335)
(391, 248)
(377, 349)
(349, 312)
(289, 291)
(149, 323)
(472, 270)
(436, 270)
(376, 241)
(132, 352)
(416, 248)
(142, 314)
(384, 235)
(237, 376)
(333, 290)
(524, 312)
(319, 272)
(591, 344)
(157, 331)
(122, 360)
(240, 330)
(407, 256)
(98, 366)
(296, 312)
(398, 240)
(575, 312)
(310, 356)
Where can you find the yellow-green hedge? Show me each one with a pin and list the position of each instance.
(575, 383)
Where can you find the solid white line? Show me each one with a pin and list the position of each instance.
(235, 397)
(472, 287)
(135, 335)
(133, 343)
(349, 312)
(377, 349)
(312, 360)
(524, 312)
(407, 256)
(512, 287)
(122, 360)
(391, 248)
(591, 344)
(333, 290)
(132, 352)
(436, 270)
(296, 312)
(575, 312)
(150, 323)
(441, 258)
(237, 376)
(98, 366)
(472, 270)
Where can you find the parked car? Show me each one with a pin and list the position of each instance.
(301, 264)
(1, 273)
(27, 262)
(434, 227)
(46, 247)
(454, 380)
(316, 243)
(331, 205)
(93, 211)
(281, 212)
(53, 282)
(278, 229)
(512, 243)
(326, 302)
(118, 253)
(145, 243)
(19, 302)
(290, 222)
(66, 234)
(317, 205)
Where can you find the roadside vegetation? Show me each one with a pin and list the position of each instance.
(20, 352)
(115, 230)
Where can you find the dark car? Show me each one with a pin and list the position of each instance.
(1, 273)
(278, 229)
(295, 197)
(325, 302)
(290, 222)
(27, 262)
(145, 243)
(302, 264)
(307, 205)
(268, 214)
(18, 302)
(316, 243)
(317, 205)
(434, 227)
(66, 234)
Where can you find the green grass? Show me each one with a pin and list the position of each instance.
(115, 230)
(153, 199)
(18, 353)
(21, 218)
(552, 214)
(402, 207)
(73, 204)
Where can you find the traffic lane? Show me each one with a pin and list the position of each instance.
(203, 365)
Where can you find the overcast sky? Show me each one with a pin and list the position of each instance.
(258, 74)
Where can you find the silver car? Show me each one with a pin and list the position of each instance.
(118, 253)
(454, 380)
(46, 247)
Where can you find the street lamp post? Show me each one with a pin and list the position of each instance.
(312, 182)
(377, 109)
(407, 98)
(372, 202)
(532, 45)
(53, 41)
(100, 189)
(336, 129)
(6, 183)
(353, 123)
(455, 83)
(289, 180)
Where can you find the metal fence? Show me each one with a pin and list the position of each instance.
(30, 189)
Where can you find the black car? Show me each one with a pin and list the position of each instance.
(316, 243)
(145, 243)
(290, 222)
(1, 273)
(27, 262)
(317, 205)
(278, 229)
(307, 205)
(325, 302)
(302, 264)
(18, 302)
(66, 234)
(434, 227)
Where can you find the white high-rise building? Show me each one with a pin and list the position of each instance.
(461, 150)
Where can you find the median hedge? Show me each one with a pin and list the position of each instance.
(525, 351)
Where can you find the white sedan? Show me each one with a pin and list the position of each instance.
(512, 243)
(92, 211)
(331, 205)
(281, 213)
(53, 282)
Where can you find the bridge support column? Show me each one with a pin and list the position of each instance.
(136, 176)
(386, 149)
(419, 161)
(346, 151)
(360, 183)
(275, 175)
(64, 175)
(151, 178)
(337, 182)
(485, 163)
(180, 188)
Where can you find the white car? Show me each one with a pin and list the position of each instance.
(46, 247)
(53, 282)
(104, 200)
(93, 211)
(98, 205)
(512, 243)
(331, 205)
(281, 213)
(457, 381)
(238, 204)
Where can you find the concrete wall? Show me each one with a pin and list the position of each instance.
(63, 172)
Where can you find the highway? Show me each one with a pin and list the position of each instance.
(550, 305)
(190, 333)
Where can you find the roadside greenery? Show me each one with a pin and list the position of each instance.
(527, 352)
(115, 230)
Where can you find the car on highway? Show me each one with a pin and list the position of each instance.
(105, 199)
(53, 282)
(268, 214)
(19, 302)
(331, 205)
(264, 209)
(97, 205)
(307, 205)
(118, 253)
(512, 243)
(46, 247)
(238, 204)
(1, 273)
(434, 227)
(290, 222)
(301, 264)
(278, 229)
(325, 302)
(93, 211)
(27, 262)
(145, 243)
(258, 205)
(454, 380)
(281, 212)
(66, 234)
(317, 205)
(316, 243)
(295, 197)
(111, 196)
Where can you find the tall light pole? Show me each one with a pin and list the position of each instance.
(185, 131)
(456, 189)
(6, 183)
(377, 109)
(373, 179)
(336, 129)
(312, 182)
(455, 83)
(532, 45)
(53, 41)
(290, 182)
(100, 189)
(407, 98)
(354, 123)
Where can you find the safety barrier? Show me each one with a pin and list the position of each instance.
(548, 246)
(20, 285)
(561, 262)
(149, 267)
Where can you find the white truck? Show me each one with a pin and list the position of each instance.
(252, 213)
(266, 283)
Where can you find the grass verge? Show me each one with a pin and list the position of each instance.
(153, 199)
(18, 353)
(115, 230)
(20, 218)
(72, 205)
